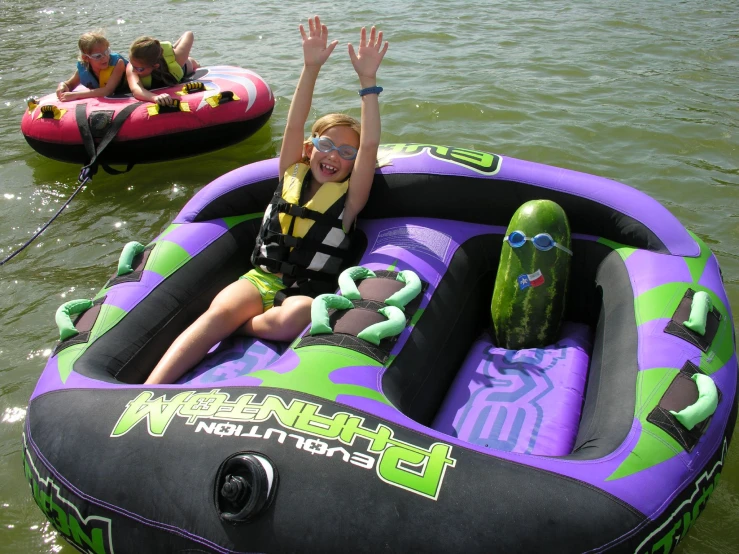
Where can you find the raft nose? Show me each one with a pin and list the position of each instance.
(245, 486)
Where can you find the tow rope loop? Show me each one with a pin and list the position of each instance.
(89, 142)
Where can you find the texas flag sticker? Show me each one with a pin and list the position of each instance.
(530, 280)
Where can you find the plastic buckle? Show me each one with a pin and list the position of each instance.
(297, 211)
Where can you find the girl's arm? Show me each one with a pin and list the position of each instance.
(366, 62)
(68, 85)
(109, 88)
(140, 92)
(316, 51)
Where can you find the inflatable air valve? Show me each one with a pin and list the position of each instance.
(699, 309)
(529, 295)
(246, 484)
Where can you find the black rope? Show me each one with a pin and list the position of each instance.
(90, 169)
(42, 229)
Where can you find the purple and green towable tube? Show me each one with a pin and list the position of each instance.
(395, 422)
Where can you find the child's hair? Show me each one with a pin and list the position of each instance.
(149, 51)
(90, 40)
(328, 121)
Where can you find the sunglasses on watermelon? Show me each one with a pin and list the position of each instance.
(542, 241)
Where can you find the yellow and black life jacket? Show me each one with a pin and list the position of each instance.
(172, 67)
(303, 241)
(91, 81)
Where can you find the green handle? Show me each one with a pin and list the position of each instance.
(699, 309)
(411, 289)
(347, 281)
(64, 315)
(130, 251)
(393, 326)
(704, 407)
(320, 324)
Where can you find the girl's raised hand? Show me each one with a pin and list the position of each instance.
(370, 54)
(316, 49)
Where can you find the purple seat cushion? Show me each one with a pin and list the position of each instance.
(526, 401)
(232, 358)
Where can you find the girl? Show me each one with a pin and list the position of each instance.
(157, 64)
(330, 174)
(99, 69)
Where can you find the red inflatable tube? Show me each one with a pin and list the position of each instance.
(229, 105)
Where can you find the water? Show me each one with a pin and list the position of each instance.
(646, 93)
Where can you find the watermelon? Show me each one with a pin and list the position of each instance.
(529, 295)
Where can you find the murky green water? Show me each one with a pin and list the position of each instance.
(646, 93)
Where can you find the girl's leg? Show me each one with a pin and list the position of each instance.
(182, 47)
(237, 303)
(191, 65)
(282, 323)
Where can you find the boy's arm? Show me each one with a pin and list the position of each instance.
(316, 51)
(366, 62)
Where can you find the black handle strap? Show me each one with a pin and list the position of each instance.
(89, 142)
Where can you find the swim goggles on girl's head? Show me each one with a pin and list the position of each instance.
(325, 144)
(99, 55)
(542, 241)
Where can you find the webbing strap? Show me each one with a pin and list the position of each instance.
(303, 243)
(89, 142)
(291, 270)
(306, 213)
(80, 113)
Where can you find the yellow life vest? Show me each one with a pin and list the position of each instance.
(303, 241)
(105, 75)
(172, 66)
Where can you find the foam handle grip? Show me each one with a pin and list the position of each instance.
(125, 261)
(64, 316)
(699, 309)
(320, 324)
(704, 407)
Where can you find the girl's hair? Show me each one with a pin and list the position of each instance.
(149, 51)
(88, 41)
(328, 121)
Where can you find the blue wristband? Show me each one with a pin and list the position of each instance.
(370, 90)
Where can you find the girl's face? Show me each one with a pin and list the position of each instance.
(329, 167)
(141, 68)
(98, 57)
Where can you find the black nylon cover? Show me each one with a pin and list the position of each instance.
(151, 488)
(493, 202)
(156, 149)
